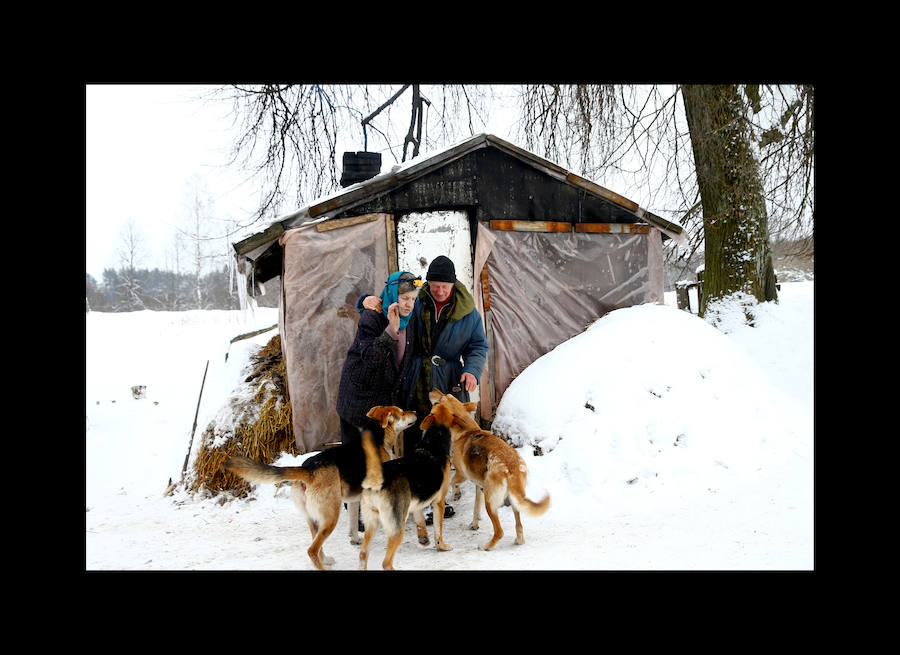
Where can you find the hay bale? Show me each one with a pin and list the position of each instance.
(256, 423)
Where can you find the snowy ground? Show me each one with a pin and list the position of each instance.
(697, 456)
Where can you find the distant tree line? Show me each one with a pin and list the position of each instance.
(197, 270)
(128, 290)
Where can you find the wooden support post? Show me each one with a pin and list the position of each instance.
(699, 291)
(487, 385)
(390, 229)
(487, 390)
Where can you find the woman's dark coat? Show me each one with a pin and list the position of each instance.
(370, 376)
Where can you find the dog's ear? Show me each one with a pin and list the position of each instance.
(435, 396)
(426, 422)
(381, 414)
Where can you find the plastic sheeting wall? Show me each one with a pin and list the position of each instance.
(545, 288)
(324, 274)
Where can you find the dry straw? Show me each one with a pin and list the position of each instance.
(263, 429)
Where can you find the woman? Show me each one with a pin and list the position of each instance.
(378, 364)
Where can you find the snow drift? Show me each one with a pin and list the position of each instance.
(648, 395)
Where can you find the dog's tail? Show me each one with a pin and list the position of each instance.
(374, 476)
(521, 501)
(253, 471)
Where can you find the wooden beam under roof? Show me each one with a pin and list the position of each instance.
(254, 241)
(603, 192)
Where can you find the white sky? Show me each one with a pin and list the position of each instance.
(147, 147)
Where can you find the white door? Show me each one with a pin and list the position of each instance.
(422, 236)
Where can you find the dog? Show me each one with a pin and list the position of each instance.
(392, 489)
(330, 476)
(498, 471)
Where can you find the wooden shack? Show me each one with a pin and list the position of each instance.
(544, 251)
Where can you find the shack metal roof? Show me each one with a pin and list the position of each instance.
(356, 194)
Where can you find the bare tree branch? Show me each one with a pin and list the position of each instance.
(638, 134)
(289, 134)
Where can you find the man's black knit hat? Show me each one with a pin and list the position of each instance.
(441, 270)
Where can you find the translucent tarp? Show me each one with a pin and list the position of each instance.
(324, 274)
(545, 288)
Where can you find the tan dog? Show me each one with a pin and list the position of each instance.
(498, 471)
(393, 489)
(329, 477)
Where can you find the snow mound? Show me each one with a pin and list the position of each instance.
(646, 395)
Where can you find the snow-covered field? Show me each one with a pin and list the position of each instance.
(668, 444)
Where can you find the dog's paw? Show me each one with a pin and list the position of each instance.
(457, 494)
(356, 540)
(487, 546)
(328, 561)
(443, 546)
(424, 540)
(473, 525)
(323, 564)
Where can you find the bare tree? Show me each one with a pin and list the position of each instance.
(781, 120)
(197, 231)
(131, 252)
(643, 136)
(291, 134)
(633, 139)
(173, 257)
(573, 125)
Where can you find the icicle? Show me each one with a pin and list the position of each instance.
(242, 281)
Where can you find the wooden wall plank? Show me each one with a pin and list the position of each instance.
(530, 226)
(561, 226)
(337, 223)
(612, 228)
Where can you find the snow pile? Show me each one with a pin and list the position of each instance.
(646, 396)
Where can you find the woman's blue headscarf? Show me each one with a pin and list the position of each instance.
(389, 295)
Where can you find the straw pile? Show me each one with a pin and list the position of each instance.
(256, 423)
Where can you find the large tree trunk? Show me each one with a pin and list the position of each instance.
(735, 222)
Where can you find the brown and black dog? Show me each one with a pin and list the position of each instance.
(392, 489)
(498, 471)
(329, 477)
